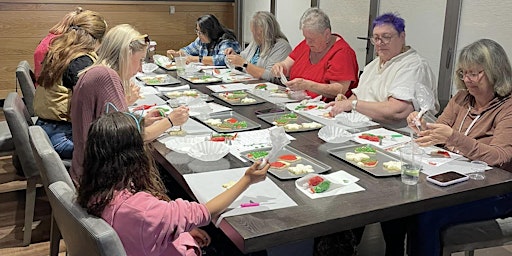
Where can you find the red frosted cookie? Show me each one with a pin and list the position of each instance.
(289, 158)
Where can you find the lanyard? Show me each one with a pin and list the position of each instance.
(470, 125)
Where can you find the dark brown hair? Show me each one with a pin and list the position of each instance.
(116, 159)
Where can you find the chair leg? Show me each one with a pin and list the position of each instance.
(54, 238)
(30, 202)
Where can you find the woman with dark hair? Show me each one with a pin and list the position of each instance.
(121, 185)
(211, 42)
(69, 53)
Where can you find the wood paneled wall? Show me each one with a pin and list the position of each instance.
(24, 23)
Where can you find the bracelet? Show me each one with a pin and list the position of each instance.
(354, 104)
(201, 58)
(168, 118)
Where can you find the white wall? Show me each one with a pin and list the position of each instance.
(249, 8)
(485, 19)
(349, 18)
(424, 25)
(288, 13)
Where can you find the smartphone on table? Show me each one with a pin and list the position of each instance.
(447, 178)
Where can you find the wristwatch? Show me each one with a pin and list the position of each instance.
(354, 104)
(245, 65)
(200, 58)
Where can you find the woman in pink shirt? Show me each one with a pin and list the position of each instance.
(121, 185)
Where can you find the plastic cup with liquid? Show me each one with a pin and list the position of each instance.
(411, 157)
(180, 65)
(478, 170)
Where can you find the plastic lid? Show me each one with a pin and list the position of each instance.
(152, 43)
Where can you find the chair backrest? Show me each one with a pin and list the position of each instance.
(51, 167)
(18, 119)
(24, 76)
(82, 232)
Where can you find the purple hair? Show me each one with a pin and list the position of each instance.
(392, 19)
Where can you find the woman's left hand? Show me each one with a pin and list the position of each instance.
(339, 106)
(202, 238)
(236, 60)
(434, 134)
(152, 116)
(298, 84)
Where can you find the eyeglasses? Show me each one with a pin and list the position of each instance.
(473, 76)
(198, 32)
(384, 39)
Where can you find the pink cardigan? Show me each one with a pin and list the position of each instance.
(149, 226)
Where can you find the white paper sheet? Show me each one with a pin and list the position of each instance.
(229, 87)
(149, 99)
(207, 185)
(215, 109)
(172, 88)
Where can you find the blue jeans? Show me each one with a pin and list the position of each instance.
(60, 135)
(426, 238)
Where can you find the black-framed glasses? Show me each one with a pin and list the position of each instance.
(199, 32)
(473, 76)
(384, 39)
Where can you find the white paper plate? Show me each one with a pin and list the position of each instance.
(352, 119)
(334, 134)
(209, 151)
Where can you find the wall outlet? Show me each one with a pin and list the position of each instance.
(172, 10)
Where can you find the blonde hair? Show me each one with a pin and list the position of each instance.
(271, 30)
(63, 25)
(81, 37)
(119, 44)
(494, 61)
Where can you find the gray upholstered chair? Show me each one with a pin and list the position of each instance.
(468, 237)
(24, 77)
(19, 120)
(52, 169)
(84, 234)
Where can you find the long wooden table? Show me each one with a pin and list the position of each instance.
(384, 198)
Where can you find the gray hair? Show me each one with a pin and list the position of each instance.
(493, 58)
(314, 18)
(271, 30)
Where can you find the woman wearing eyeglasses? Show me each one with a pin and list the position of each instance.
(323, 63)
(107, 82)
(476, 123)
(268, 47)
(211, 42)
(387, 86)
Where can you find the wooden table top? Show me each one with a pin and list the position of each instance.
(384, 198)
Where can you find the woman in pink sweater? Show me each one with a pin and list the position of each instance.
(121, 185)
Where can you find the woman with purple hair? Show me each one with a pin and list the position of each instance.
(387, 91)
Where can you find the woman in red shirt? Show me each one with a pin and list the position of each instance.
(323, 63)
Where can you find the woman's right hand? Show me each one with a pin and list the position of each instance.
(179, 115)
(414, 123)
(172, 53)
(256, 175)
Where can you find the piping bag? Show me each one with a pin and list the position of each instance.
(279, 140)
(426, 101)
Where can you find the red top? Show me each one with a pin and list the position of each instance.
(41, 51)
(338, 64)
